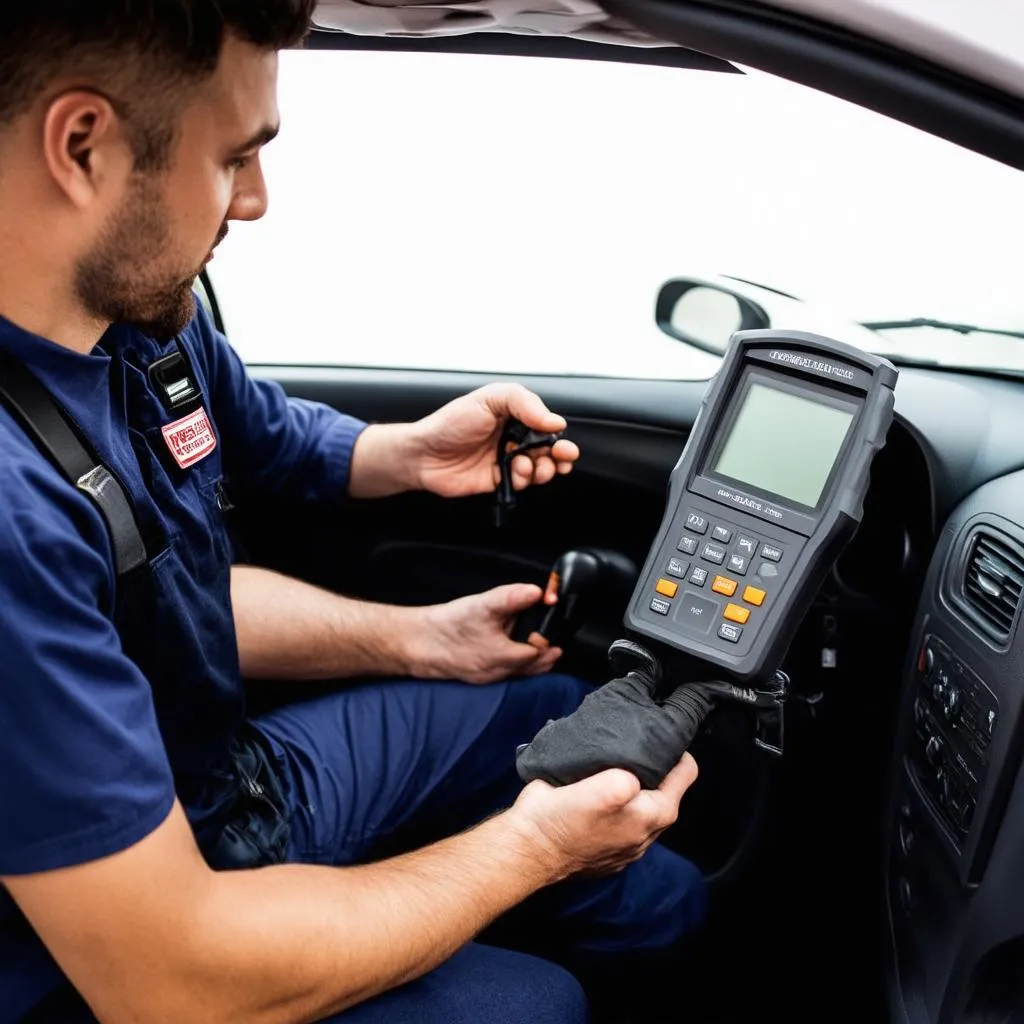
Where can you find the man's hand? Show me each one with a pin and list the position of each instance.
(620, 725)
(453, 451)
(605, 822)
(459, 442)
(468, 639)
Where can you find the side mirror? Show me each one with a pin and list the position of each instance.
(706, 315)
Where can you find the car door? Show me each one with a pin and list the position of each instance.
(419, 247)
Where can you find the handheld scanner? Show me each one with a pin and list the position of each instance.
(767, 492)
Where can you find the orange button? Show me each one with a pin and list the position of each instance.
(735, 613)
(666, 587)
(754, 596)
(724, 585)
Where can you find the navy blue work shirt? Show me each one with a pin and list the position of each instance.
(117, 695)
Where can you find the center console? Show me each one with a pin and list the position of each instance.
(955, 817)
(955, 715)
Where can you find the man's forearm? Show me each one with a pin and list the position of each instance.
(288, 629)
(295, 943)
(383, 461)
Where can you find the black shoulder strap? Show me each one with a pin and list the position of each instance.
(50, 427)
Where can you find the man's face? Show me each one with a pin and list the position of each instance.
(144, 263)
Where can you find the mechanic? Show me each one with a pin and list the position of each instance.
(131, 780)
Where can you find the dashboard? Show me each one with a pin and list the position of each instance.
(954, 824)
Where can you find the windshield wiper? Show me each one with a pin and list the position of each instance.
(947, 325)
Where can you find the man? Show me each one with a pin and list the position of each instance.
(130, 779)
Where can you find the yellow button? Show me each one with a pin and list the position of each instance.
(735, 613)
(724, 585)
(667, 588)
(754, 596)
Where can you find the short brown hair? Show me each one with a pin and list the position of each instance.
(146, 48)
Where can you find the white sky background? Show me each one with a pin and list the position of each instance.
(519, 214)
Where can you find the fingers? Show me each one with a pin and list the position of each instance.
(613, 788)
(680, 779)
(545, 662)
(512, 598)
(504, 400)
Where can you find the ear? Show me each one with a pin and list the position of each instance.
(84, 145)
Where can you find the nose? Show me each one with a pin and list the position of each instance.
(251, 200)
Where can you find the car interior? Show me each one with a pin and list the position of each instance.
(872, 872)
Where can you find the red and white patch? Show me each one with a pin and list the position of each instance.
(191, 438)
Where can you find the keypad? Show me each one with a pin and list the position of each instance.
(713, 553)
(696, 523)
(738, 565)
(688, 545)
(727, 631)
(675, 589)
(677, 567)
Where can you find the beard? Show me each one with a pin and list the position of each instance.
(126, 278)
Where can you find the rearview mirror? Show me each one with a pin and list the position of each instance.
(706, 315)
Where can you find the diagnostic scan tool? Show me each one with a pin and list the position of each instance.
(767, 492)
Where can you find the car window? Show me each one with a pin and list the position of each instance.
(509, 214)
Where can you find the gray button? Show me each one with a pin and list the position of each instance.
(767, 570)
(727, 631)
(746, 546)
(771, 552)
(677, 567)
(659, 606)
(696, 522)
(688, 545)
(738, 565)
(722, 533)
(713, 553)
(699, 576)
(697, 612)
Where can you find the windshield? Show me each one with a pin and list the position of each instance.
(508, 214)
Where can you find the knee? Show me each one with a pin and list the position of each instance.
(548, 994)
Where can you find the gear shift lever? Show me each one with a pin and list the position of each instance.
(576, 579)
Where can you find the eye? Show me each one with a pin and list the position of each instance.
(239, 163)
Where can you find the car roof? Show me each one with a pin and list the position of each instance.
(980, 40)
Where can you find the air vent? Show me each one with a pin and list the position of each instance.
(992, 583)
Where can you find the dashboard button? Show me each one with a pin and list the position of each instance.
(688, 545)
(767, 570)
(699, 576)
(771, 552)
(722, 533)
(724, 585)
(727, 631)
(660, 606)
(666, 588)
(677, 567)
(696, 522)
(746, 546)
(736, 613)
(754, 596)
(713, 553)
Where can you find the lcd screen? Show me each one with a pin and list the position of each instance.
(784, 443)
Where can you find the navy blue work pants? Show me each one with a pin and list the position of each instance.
(382, 767)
